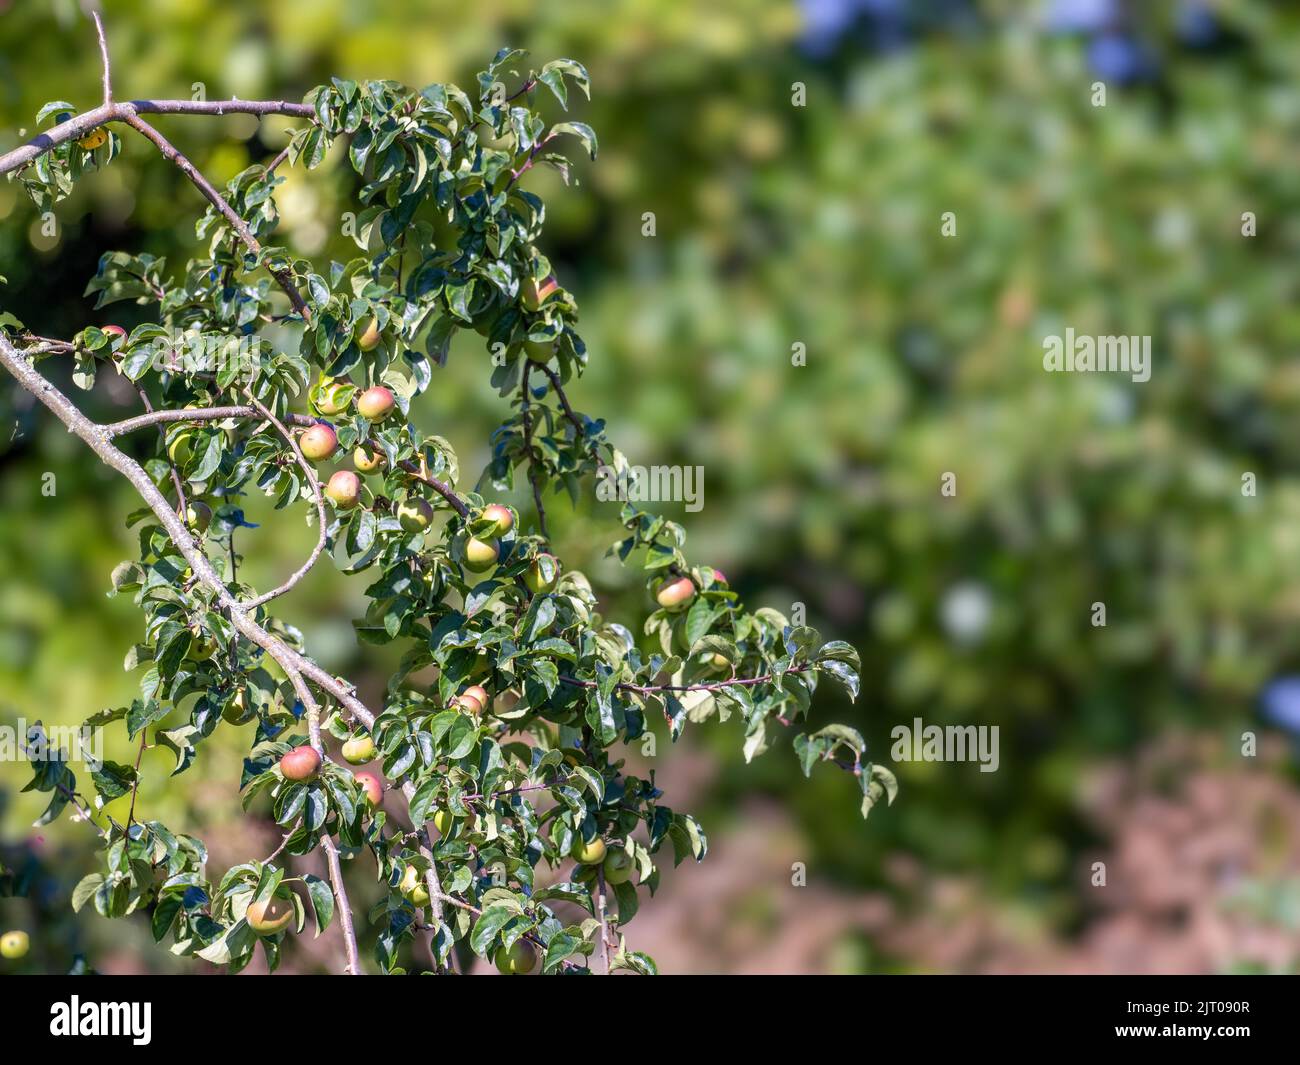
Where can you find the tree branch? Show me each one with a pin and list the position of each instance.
(103, 55)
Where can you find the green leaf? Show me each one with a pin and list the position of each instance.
(322, 901)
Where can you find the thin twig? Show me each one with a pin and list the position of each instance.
(526, 415)
(103, 55)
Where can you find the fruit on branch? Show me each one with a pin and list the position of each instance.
(180, 449)
(588, 853)
(413, 886)
(96, 138)
(480, 555)
(502, 520)
(543, 574)
(369, 339)
(474, 698)
(372, 786)
(330, 397)
(113, 330)
(14, 944)
(719, 661)
(533, 295)
(618, 867)
(319, 443)
(674, 595)
(443, 820)
(199, 515)
(202, 646)
(376, 404)
(238, 711)
(344, 489)
(302, 763)
(267, 918)
(415, 514)
(367, 461)
(519, 960)
(539, 351)
(358, 749)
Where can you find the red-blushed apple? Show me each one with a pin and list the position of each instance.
(372, 786)
(480, 555)
(330, 397)
(267, 918)
(543, 574)
(534, 294)
(588, 853)
(369, 339)
(474, 698)
(618, 867)
(344, 489)
(358, 749)
(14, 944)
(414, 514)
(367, 461)
(302, 763)
(674, 595)
(519, 960)
(319, 443)
(376, 404)
(719, 577)
(502, 520)
(113, 330)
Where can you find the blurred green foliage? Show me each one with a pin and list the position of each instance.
(778, 225)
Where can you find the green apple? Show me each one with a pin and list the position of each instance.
(199, 515)
(369, 339)
(319, 443)
(344, 489)
(674, 595)
(331, 397)
(519, 960)
(267, 918)
(618, 867)
(181, 448)
(414, 887)
(543, 574)
(588, 853)
(480, 555)
(14, 945)
(238, 711)
(539, 351)
(376, 404)
(302, 763)
(415, 514)
(367, 461)
(359, 749)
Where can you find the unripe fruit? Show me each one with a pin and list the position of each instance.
(534, 295)
(415, 514)
(14, 945)
(413, 886)
(719, 661)
(199, 515)
(585, 853)
(376, 404)
(476, 696)
(442, 821)
(675, 594)
(319, 442)
(113, 330)
(329, 398)
(543, 574)
(618, 867)
(201, 647)
(367, 461)
(539, 351)
(180, 449)
(358, 750)
(344, 489)
(480, 555)
(96, 138)
(237, 711)
(372, 786)
(369, 340)
(519, 960)
(267, 918)
(503, 521)
(300, 764)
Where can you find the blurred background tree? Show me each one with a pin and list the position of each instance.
(784, 220)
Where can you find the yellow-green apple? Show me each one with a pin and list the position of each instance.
(358, 749)
(480, 555)
(543, 574)
(330, 397)
(415, 514)
(367, 461)
(519, 960)
(588, 853)
(413, 886)
(502, 520)
(618, 867)
(199, 515)
(14, 944)
(267, 918)
(369, 339)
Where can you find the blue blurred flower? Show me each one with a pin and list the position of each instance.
(1280, 703)
(1119, 58)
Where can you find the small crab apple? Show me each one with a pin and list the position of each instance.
(366, 460)
(443, 819)
(238, 711)
(476, 696)
(539, 351)
(330, 397)
(618, 867)
(588, 853)
(14, 944)
(369, 339)
(319, 443)
(481, 555)
(359, 749)
(199, 515)
(302, 763)
(415, 514)
(519, 960)
(371, 785)
(502, 520)
(674, 595)
(413, 886)
(543, 574)
(267, 918)
(344, 489)
(376, 404)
